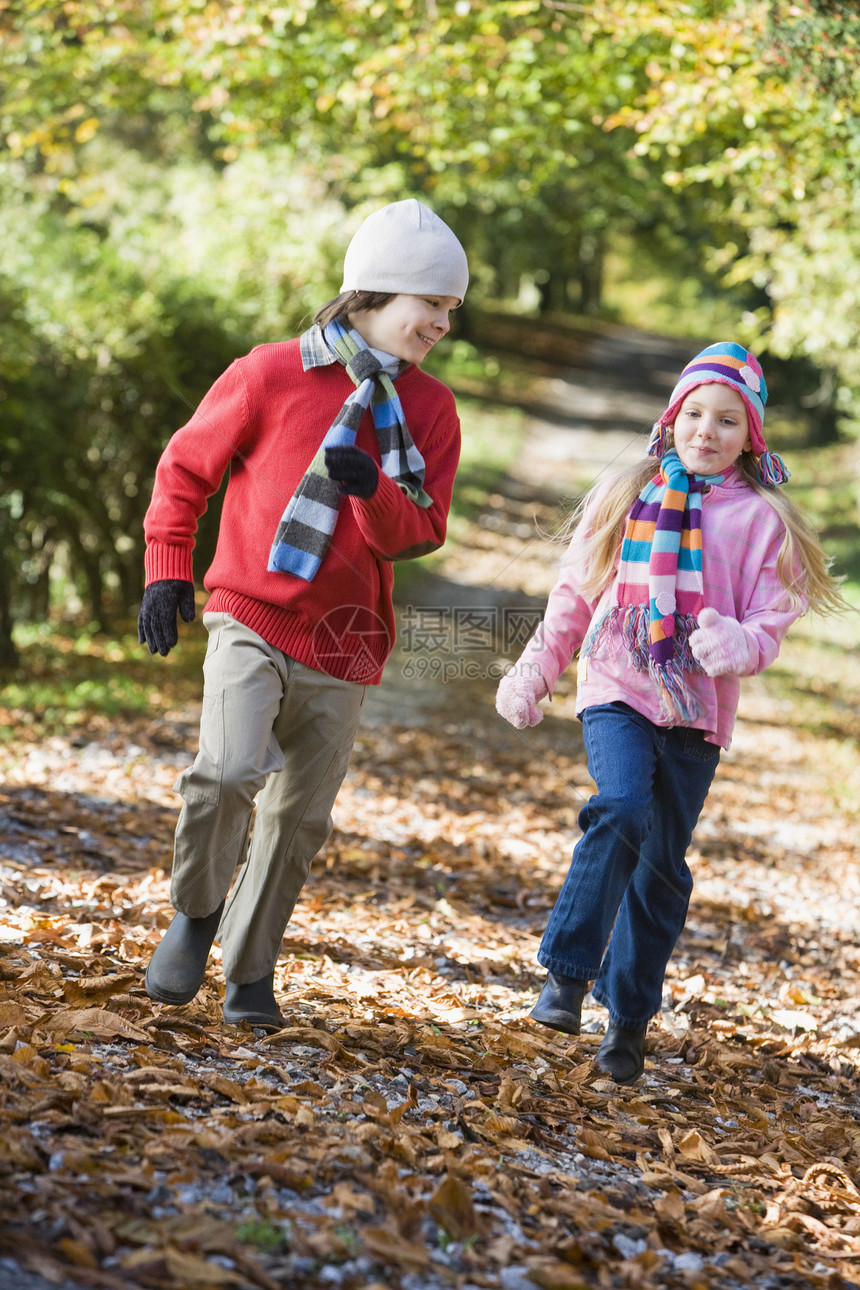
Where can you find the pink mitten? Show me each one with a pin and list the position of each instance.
(722, 646)
(519, 693)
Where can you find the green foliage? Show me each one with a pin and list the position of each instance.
(263, 1234)
(77, 678)
(765, 145)
(818, 42)
(115, 316)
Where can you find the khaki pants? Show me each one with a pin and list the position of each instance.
(273, 727)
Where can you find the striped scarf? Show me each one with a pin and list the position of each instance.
(659, 590)
(306, 526)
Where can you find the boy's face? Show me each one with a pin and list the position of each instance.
(711, 429)
(407, 327)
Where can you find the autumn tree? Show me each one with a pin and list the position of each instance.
(755, 106)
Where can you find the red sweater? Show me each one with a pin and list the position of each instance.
(265, 419)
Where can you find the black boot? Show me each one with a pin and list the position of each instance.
(176, 969)
(559, 1004)
(622, 1053)
(253, 1002)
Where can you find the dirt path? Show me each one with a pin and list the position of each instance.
(410, 1127)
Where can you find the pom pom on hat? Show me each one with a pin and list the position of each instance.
(726, 363)
(405, 247)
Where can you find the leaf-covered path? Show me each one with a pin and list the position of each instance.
(410, 1127)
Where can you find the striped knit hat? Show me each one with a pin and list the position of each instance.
(726, 364)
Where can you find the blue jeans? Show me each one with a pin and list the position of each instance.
(629, 877)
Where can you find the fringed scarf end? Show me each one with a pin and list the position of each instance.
(676, 698)
(607, 635)
(629, 625)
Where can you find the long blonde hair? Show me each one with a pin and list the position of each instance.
(600, 517)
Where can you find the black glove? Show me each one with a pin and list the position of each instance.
(156, 622)
(352, 468)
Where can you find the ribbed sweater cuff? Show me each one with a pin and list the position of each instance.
(162, 562)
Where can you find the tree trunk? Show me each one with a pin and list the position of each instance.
(590, 275)
(8, 652)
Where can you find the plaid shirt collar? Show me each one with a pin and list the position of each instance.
(315, 352)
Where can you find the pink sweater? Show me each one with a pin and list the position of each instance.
(741, 538)
(264, 419)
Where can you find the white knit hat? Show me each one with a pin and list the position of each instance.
(406, 248)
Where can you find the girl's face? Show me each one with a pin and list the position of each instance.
(407, 327)
(711, 429)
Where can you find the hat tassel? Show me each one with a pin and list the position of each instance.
(657, 442)
(771, 470)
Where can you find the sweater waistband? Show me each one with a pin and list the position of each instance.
(332, 645)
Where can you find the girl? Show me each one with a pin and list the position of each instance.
(675, 584)
(342, 455)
